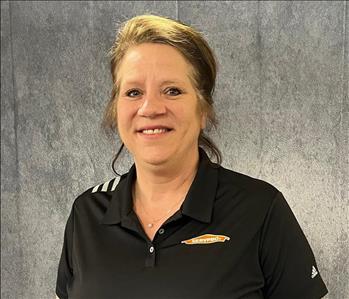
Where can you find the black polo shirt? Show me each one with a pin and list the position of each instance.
(233, 237)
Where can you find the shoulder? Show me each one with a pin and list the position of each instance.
(245, 182)
(107, 186)
(250, 189)
(101, 193)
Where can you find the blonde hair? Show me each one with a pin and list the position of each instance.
(190, 43)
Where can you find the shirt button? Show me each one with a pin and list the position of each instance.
(151, 249)
(161, 231)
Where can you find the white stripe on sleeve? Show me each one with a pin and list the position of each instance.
(95, 189)
(105, 186)
(116, 181)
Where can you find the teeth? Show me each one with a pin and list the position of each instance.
(155, 131)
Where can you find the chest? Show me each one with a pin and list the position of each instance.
(150, 229)
(121, 260)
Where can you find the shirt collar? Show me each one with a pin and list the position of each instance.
(198, 203)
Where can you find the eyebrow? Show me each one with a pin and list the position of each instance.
(133, 82)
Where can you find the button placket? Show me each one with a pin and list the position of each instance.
(151, 256)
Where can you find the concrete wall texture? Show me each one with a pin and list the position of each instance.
(281, 99)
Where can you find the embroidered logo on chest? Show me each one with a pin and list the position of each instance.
(206, 239)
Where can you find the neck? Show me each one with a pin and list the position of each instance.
(158, 187)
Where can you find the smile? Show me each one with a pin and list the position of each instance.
(154, 131)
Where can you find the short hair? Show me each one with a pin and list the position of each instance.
(190, 43)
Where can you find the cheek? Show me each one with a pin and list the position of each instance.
(118, 114)
(122, 112)
(193, 120)
(125, 116)
(121, 118)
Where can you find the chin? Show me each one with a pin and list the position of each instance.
(155, 160)
(153, 157)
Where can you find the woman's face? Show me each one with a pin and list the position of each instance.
(158, 112)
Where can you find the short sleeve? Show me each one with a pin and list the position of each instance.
(65, 268)
(286, 258)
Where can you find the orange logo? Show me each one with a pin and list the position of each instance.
(206, 239)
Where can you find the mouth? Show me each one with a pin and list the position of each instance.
(154, 130)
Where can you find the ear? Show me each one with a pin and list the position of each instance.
(203, 120)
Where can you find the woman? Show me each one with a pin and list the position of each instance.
(178, 225)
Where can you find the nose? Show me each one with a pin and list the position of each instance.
(152, 106)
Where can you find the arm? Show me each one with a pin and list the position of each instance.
(288, 263)
(65, 268)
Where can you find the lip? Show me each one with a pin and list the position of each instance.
(153, 127)
(140, 133)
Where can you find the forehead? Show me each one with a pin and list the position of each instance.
(155, 60)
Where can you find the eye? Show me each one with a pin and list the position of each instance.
(173, 91)
(132, 93)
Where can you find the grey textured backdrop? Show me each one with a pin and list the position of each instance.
(281, 98)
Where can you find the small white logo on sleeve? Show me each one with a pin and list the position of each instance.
(313, 272)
